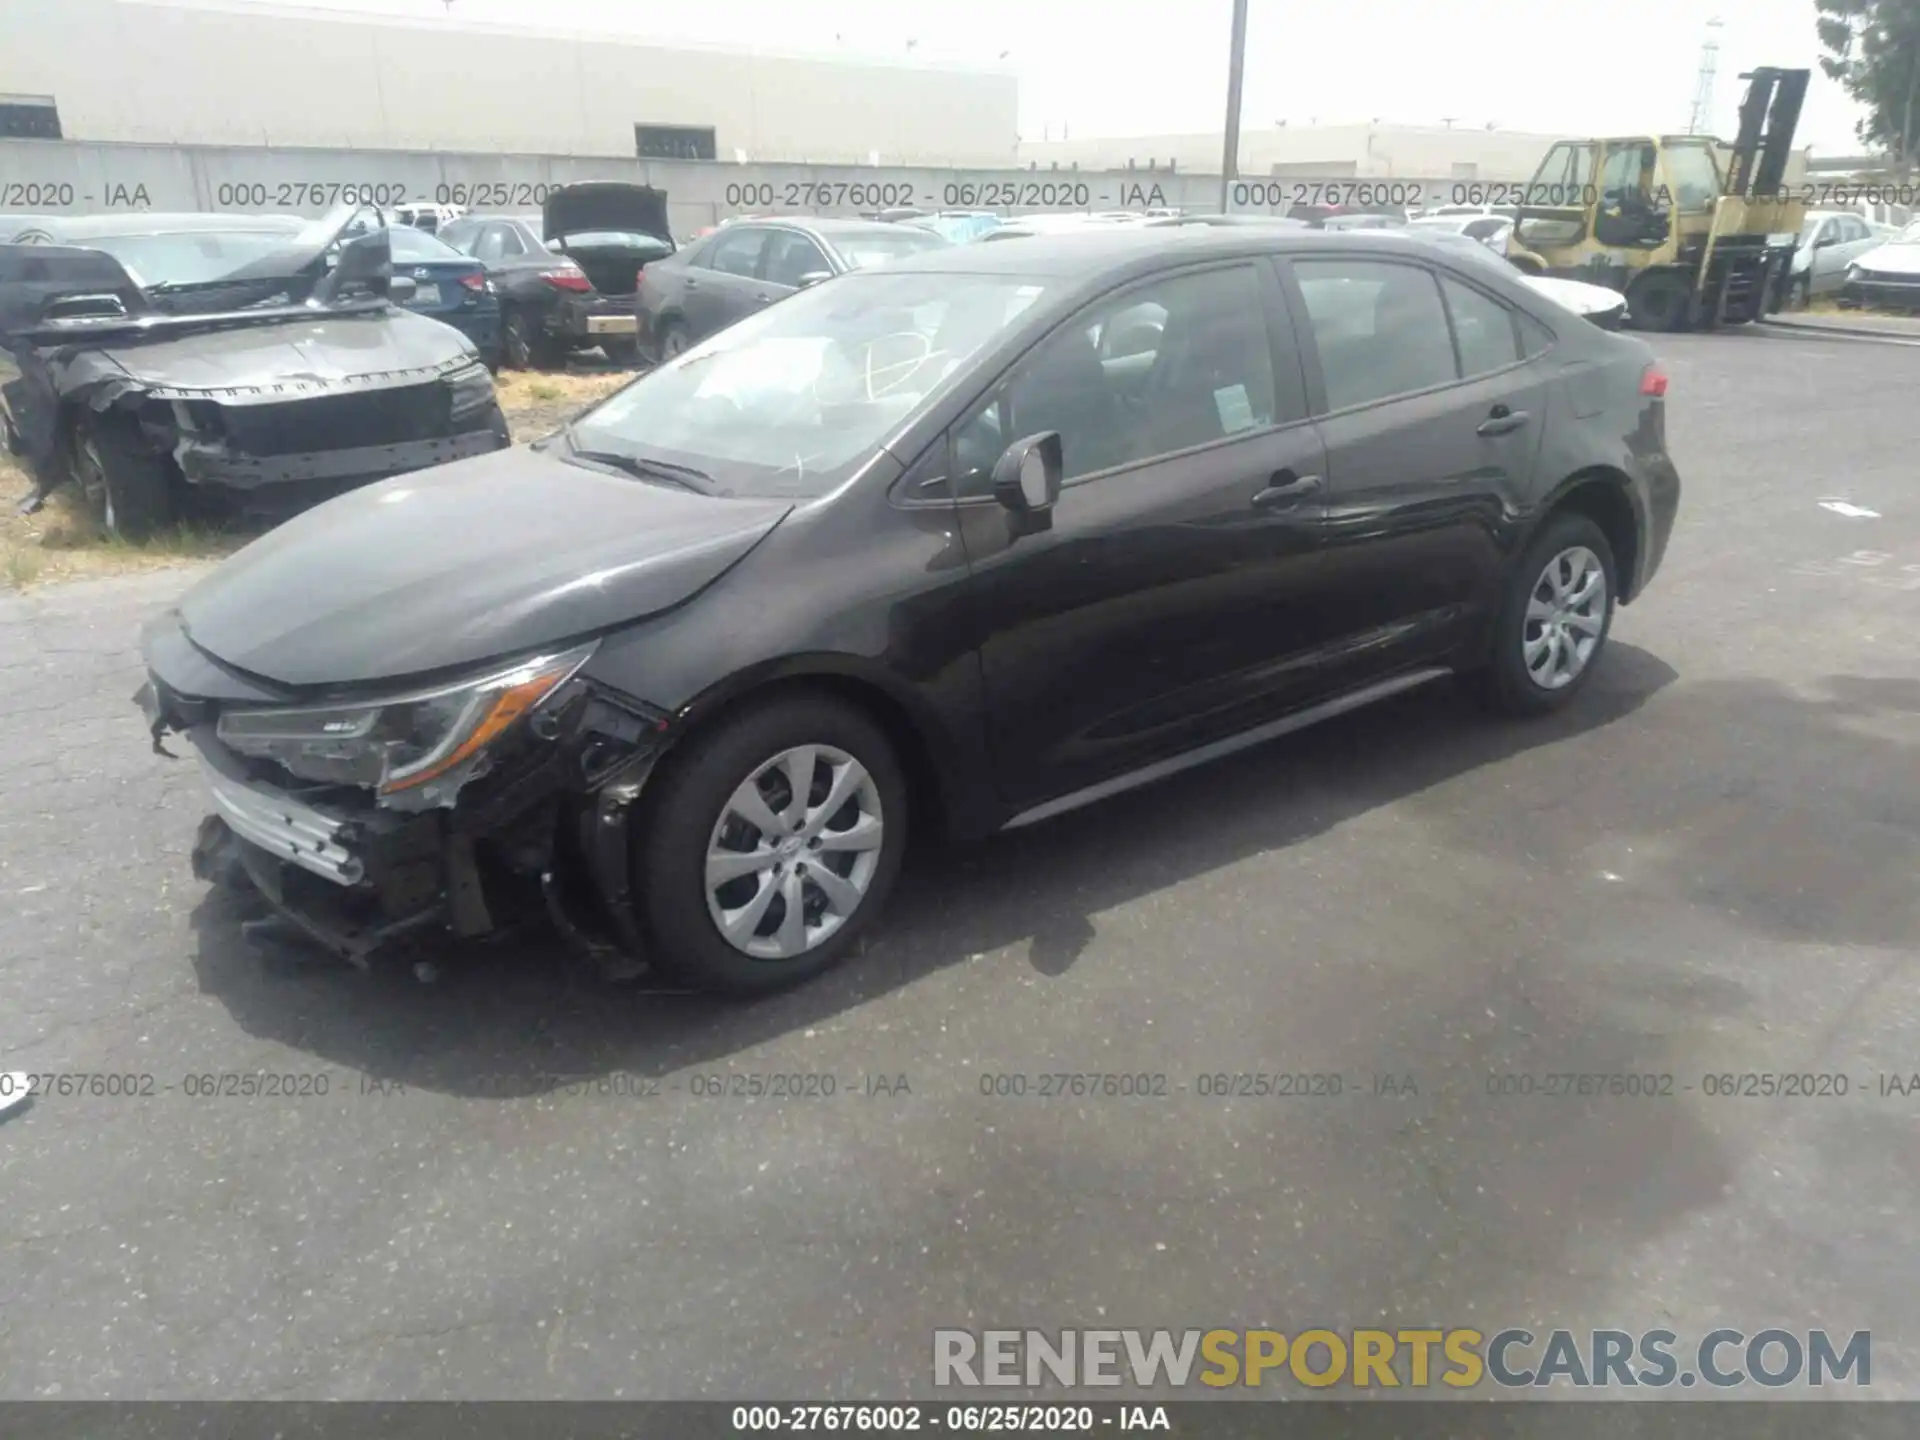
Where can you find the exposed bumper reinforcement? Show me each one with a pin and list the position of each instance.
(290, 829)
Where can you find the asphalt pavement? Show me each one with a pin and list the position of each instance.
(518, 1182)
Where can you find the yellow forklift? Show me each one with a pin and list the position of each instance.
(1695, 232)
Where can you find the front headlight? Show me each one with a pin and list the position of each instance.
(401, 744)
(472, 389)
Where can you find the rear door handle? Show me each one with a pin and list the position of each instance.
(692, 284)
(1502, 421)
(1287, 489)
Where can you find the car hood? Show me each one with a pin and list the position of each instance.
(1576, 295)
(604, 205)
(307, 351)
(1903, 259)
(463, 564)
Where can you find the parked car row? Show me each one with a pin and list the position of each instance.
(946, 544)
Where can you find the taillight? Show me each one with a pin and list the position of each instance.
(1653, 382)
(568, 279)
(474, 282)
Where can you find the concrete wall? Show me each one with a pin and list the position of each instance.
(74, 177)
(201, 73)
(1371, 151)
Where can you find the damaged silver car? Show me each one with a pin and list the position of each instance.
(174, 365)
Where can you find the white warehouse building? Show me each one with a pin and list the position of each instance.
(207, 73)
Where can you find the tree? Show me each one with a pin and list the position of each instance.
(1873, 50)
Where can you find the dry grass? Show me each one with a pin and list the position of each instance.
(62, 542)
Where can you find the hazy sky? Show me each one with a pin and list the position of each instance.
(1130, 69)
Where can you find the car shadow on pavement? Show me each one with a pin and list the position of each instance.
(531, 1006)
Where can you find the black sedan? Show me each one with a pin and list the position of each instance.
(567, 276)
(748, 265)
(955, 544)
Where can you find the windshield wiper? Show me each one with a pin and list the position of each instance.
(685, 476)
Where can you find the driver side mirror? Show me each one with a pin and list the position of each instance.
(401, 289)
(814, 277)
(1026, 480)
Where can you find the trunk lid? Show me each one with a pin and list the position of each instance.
(604, 205)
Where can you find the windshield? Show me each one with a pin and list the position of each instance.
(1691, 174)
(867, 249)
(791, 401)
(191, 257)
(416, 247)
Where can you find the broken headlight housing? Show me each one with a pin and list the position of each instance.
(417, 747)
(472, 390)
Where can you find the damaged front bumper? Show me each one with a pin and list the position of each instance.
(205, 462)
(541, 834)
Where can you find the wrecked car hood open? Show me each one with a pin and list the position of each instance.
(463, 564)
(605, 205)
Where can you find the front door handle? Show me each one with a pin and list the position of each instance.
(692, 284)
(763, 299)
(1501, 421)
(1286, 489)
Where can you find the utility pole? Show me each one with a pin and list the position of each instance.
(1236, 64)
(1702, 117)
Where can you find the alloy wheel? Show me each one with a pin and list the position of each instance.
(794, 852)
(673, 343)
(1566, 617)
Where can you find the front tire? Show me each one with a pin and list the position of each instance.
(1661, 303)
(128, 489)
(772, 846)
(1554, 619)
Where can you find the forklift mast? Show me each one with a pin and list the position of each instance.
(1769, 115)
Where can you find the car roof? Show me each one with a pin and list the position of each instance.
(1099, 258)
(147, 222)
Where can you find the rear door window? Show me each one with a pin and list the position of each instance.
(1379, 327)
(1483, 329)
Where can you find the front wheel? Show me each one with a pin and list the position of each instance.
(128, 488)
(772, 845)
(1554, 620)
(1660, 302)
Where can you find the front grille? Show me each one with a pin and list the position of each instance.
(342, 422)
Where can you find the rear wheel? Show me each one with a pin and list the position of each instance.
(621, 351)
(128, 488)
(1554, 620)
(673, 340)
(526, 346)
(772, 847)
(1659, 302)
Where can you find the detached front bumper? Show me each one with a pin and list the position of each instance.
(214, 463)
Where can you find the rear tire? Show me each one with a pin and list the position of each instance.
(526, 346)
(697, 815)
(128, 489)
(1548, 639)
(625, 353)
(673, 341)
